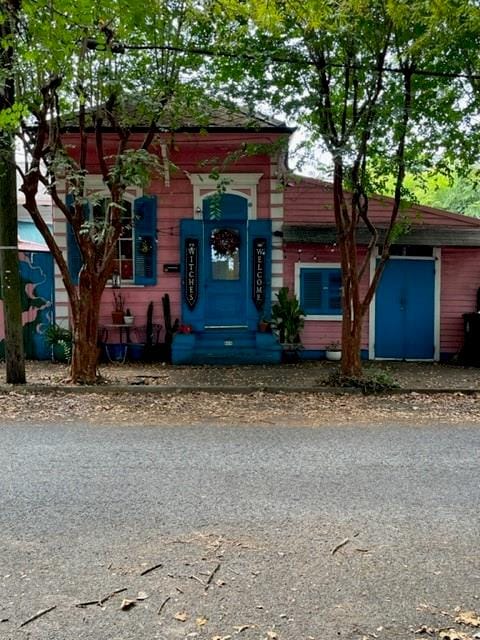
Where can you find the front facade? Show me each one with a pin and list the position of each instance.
(275, 235)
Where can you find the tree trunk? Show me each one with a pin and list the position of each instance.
(351, 366)
(85, 335)
(9, 265)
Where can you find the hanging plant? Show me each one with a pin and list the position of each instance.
(225, 242)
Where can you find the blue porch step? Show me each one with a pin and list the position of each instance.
(226, 346)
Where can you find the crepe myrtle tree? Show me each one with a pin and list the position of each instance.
(74, 74)
(96, 239)
(351, 74)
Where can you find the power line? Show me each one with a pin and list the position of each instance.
(119, 47)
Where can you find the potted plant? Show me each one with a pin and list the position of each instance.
(118, 309)
(60, 342)
(128, 317)
(288, 319)
(333, 351)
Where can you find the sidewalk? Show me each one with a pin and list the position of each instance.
(302, 377)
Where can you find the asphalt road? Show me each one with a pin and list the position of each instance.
(243, 522)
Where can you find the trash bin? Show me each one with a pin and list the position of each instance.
(471, 339)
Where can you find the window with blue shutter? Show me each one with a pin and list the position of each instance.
(74, 257)
(321, 291)
(145, 238)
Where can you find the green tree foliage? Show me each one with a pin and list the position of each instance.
(353, 74)
(72, 69)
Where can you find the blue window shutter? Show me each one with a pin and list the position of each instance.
(145, 224)
(311, 286)
(74, 257)
(320, 291)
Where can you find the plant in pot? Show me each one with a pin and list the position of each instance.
(264, 323)
(60, 342)
(128, 317)
(118, 308)
(288, 319)
(333, 351)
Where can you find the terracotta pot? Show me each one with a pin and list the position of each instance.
(117, 317)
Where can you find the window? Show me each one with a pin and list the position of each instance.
(125, 255)
(320, 290)
(136, 258)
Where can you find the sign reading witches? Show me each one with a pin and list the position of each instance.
(259, 275)
(190, 290)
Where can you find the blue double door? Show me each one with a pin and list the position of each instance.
(405, 310)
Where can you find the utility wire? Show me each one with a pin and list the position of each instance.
(118, 47)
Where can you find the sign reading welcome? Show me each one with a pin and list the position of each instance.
(259, 275)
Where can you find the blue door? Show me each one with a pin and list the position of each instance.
(404, 310)
(225, 268)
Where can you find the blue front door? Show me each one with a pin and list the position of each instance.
(225, 268)
(404, 310)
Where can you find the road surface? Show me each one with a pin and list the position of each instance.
(289, 533)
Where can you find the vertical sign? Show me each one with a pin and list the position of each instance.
(190, 290)
(259, 275)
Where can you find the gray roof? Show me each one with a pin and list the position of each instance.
(426, 236)
(221, 118)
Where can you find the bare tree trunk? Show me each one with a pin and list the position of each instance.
(9, 266)
(85, 353)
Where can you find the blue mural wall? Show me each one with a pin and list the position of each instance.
(36, 272)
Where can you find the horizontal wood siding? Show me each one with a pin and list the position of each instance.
(175, 201)
(460, 281)
(318, 333)
(310, 201)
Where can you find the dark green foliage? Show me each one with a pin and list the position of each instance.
(375, 381)
(288, 317)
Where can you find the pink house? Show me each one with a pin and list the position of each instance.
(275, 235)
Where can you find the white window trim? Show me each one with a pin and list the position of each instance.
(315, 265)
(238, 184)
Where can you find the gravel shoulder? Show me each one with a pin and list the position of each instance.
(147, 397)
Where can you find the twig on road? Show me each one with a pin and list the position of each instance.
(210, 577)
(198, 580)
(339, 546)
(162, 605)
(39, 614)
(101, 601)
(155, 566)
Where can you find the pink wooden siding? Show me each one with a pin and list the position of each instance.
(310, 201)
(460, 281)
(318, 333)
(188, 152)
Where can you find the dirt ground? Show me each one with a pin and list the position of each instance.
(160, 394)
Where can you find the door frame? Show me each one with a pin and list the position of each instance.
(437, 258)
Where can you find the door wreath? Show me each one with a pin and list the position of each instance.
(225, 242)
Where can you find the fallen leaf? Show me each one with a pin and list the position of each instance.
(127, 604)
(181, 616)
(453, 634)
(469, 618)
(271, 635)
(242, 627)
(142, 595)
(201, 620)
(221, 637)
